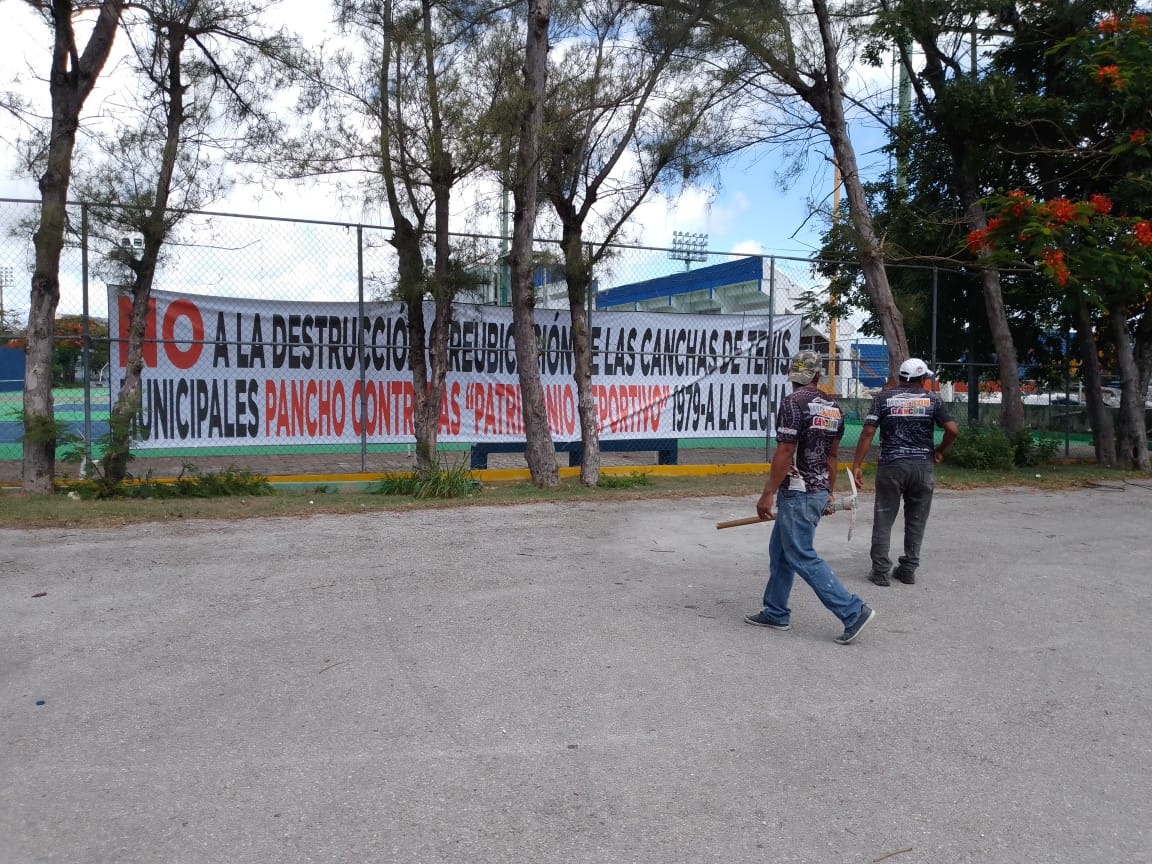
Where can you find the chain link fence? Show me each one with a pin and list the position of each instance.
(314, 271)
(331, 286)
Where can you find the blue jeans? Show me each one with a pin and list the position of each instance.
(790, 552)
(912, 480)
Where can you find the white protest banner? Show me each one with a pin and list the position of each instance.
(220, 370)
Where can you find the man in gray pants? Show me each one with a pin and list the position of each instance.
(907, 416)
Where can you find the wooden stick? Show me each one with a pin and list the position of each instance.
(890, 854)
(736, 523)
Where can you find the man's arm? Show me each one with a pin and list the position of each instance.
(833, 465)
(951, 430)
(862, 448)
(781, 465)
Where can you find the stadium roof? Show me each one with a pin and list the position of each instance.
(733, 287)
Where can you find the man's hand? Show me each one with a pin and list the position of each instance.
(858, 475)
(765, 506)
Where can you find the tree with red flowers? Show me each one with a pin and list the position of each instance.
(1093, 238)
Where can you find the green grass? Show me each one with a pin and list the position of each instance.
(633, 480)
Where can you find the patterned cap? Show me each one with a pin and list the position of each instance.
(805, 366)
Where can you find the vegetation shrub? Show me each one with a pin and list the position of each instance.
(454, 481)
(628, 481)
(989, 448)
(982, 448)
(1030, 449)
(192, 483)
(230, 482)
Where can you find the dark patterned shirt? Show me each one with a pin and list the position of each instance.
(813, 422)
(906, 416)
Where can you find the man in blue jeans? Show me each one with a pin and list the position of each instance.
(799, 490)
(907, 415)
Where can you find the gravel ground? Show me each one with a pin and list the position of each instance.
(574, 683)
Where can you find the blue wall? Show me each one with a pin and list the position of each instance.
(873, 369)
(11, 368)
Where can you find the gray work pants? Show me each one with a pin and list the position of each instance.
(913, 481)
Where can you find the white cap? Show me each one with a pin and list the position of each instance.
(914, 367)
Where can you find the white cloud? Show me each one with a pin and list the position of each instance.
(744, 213)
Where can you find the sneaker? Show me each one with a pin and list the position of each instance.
(762, 620)
(880, 579)
(850, 633)
(906, 578)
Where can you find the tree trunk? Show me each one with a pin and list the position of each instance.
(828, 102)
(39, 414)
(1011, 400)
(122, 423)
(423, 430)
(953, 129)
(871, 257)
(411, 279)
(438, 363)
(1103, 433)
(441, 175)
(540, 452)
(122, 418)
(1133, 446)
(71, 80)
(1142, 350)
(578, 277)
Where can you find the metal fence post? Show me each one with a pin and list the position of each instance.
(935, 312)
(86, 340)
(362, 353)
(1067, 396)
(771, 356)
(973, 378)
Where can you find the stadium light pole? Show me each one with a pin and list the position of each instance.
(688, 247)
(5, 282)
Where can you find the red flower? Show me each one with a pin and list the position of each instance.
(1110, 74)
(1020, 202)
(1140, 23)
(1061, 210)
(1143, 233)
(1101, 203)
(980, 241)
(1109, 24)
(994, 224)
(1054, 261)
(1138, 136)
